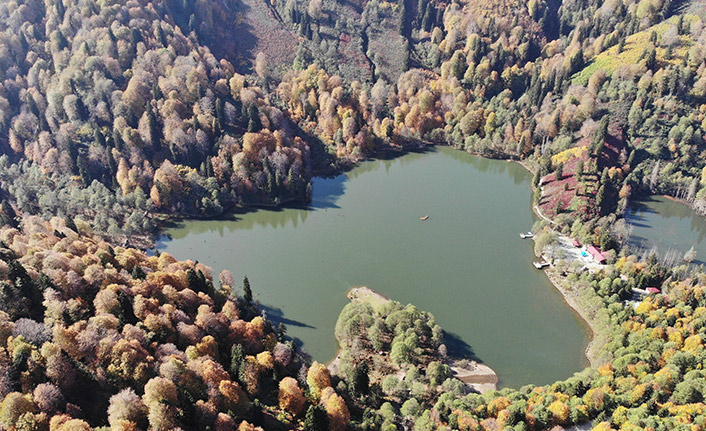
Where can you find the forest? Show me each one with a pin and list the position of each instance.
(125, 105)
(117, 116)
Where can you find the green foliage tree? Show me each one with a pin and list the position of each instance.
(316, 419)
(247, 291)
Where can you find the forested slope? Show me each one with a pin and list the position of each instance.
(94, 336)
(116, 114)
(117, 99)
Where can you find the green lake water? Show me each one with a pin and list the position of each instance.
(666, 225)
(466, 263)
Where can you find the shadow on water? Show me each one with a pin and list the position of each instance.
(667, 224)
(276, 316)
(641, 205)
(385, 158)
(458, 348)
(327, 191)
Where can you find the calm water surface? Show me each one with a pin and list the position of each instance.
(667, 225)
(466, 263)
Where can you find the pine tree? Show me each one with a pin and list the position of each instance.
(247, 292)
(406, 55)
(316, 419)
(82, 165)
(360, 384)
(631, 159)
(650, 57)
(281, 332)
(8, 214)
(69, 222)
(600, 136)
(559, 172)
(237, 356)
(403, 17)
(427, 19)
(600, 198)
(254, 124)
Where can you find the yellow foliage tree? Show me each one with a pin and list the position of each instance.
(338, 413)
(560, 412)
(291, 397)
(318, 378)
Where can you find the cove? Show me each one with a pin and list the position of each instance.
(466, 264)
(667, 225)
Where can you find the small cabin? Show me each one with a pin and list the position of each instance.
(596, 254)
(653, 290)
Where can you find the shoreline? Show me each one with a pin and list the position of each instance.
(570, 298)
(478, 376)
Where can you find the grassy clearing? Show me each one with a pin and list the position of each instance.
(610, 60)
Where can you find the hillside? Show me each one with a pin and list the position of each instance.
(118, 116)
(95, 336)
(672, 47)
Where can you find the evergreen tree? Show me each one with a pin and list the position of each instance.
(9, 216)
(600, 198)
(237, 356)
(559, 172)
(600, 136)
(650, 57)
(427, 19)
(254, 123)
(69, 222)
(281, 332)
(360, 383)
(406, 55)
(316, 419)
(138, 273)
(247, 292)
(82, 165)
(631, 159)
(402, 25)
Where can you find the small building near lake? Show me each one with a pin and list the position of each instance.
(653, 290)
(596, 254)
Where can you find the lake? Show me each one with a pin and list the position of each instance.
(466, 264)
(668, 226)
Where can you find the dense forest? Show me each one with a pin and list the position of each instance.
(117, 115)
(126, 106)
(96, 336)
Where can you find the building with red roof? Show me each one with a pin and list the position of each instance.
(596, 254)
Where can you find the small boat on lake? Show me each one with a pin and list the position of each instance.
(424, 218)
(524, 235)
